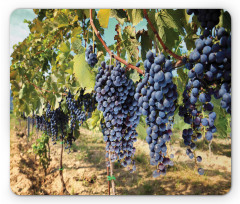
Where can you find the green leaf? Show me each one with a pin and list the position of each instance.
(135, 76)
(76, 44)
(83, 73)
(183, 76)
(187, 17)
(119, 15)
(130, 44)
(225, 21)
(135, 15)
(76, 31)
(94, 121)
(62, 20)
(86, 13)
(175, 18)
(58, 99)
(167, 28)
(146, 44)
(103, 16)
(21, 92)
(69, 71)
(221, 121)
(65, 47)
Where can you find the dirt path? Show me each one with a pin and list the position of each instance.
(85, 171)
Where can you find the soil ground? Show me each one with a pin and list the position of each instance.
(85, 169)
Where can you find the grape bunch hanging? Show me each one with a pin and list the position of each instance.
(61, 125)
(156, 95)
(120, 110)
(209, 76)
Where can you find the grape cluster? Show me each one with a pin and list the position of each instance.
(43, 124)
(212, 68)
(53, 122)
(91, 57)
(39, 123)
(59, 125)
(209, 75)
(156, 95)
(115, 97)
(225, 93)
(80, 109)
(207, 17)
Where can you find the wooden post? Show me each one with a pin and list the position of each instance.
(108, 180)
(32, 124)
(28, 127)
(111, 174)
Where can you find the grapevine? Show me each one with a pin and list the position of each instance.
(67, 76)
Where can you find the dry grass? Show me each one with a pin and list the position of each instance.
(85, 170)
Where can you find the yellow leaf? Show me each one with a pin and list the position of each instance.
(13, 75)
(75, 19)
(37, 26)
(103, 16)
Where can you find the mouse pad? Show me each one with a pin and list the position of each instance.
(120, 102)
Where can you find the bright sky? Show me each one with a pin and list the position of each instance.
(19, 30)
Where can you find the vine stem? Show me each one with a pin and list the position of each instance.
(109, 51)
(158, 37)
(41, 89)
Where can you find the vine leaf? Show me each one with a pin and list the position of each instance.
(167, 29)
(76, 31)
(83, 73)
(76, 44)
(146, 43)
(135, 15)
(130, 43)
(37, 27)
(119, 14)
(225, 20)
(135, 76)
(94, 121)
(21, 93)
(221, 121)
(62, 20)
(65, 47)
(182, 75)
(103, 16)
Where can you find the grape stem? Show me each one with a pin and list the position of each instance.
(160, 40)
(109, 51)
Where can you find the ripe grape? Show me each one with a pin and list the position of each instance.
(157, 101)
(91, 57)
(200, 171)
(116, 99)
(207, 17)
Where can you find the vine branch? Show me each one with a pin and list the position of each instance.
(159, 39)
(39, 88)
(109, 51)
